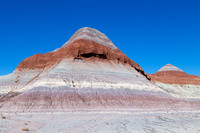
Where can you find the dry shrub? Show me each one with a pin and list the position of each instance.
(25, 129)
(3, 117)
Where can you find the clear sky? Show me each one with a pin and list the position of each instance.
(150, 32)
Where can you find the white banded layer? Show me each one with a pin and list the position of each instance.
(93, 35)
(78, 74)
(170, 67)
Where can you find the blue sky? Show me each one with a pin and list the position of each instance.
(150, 32)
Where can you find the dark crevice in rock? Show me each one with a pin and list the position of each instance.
(143, 73)
(89, 55)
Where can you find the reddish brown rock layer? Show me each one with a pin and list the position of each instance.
(82, 49)
(175, 77)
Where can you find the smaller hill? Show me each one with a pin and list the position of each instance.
(177, 82)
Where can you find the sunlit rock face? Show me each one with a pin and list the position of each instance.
(94, 35)
(177, 82)
(87, 72)
(171, 68)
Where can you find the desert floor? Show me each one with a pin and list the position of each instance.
(101, 122)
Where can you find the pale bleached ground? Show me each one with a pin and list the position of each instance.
(104, 122)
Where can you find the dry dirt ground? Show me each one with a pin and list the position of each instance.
(101, 122)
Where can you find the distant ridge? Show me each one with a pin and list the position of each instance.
(176, 81)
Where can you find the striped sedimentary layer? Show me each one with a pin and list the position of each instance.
(177, 82)
(87, 72)
(80, 85)
(87, 33)
(171, 68)
(101, 84)
(16, 80)
(89, 60)
(86, 44)
(65, 98)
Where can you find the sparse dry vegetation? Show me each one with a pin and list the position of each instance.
(25, 129)
(25, 123)
(3, 117)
